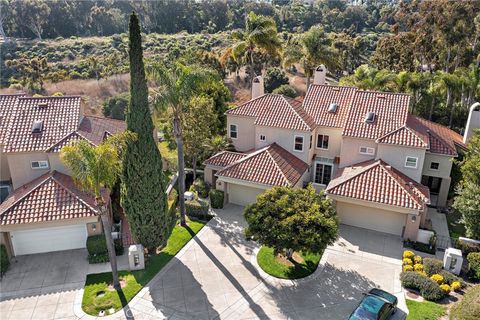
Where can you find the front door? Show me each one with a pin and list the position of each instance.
(433, 183)
(214, 179)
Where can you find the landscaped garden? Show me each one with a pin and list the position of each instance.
(424, 310)
(456, 227)
(99, 294)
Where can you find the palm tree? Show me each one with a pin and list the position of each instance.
(369, 78)
(311, 49)
(260, 34)
(95, 169)
(451, 83)
(175, 89)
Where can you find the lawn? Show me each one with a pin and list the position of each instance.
(97, 284)
(425, 310)
(455, 226)
(271, 265)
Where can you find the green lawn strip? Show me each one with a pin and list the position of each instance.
(425, 310)
(135, 280)
(455, 227)
(266, 260)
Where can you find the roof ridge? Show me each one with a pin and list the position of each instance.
(249, 156)
(70, 191)
(278, 167)
(363, 170)
(254, 99)
(66, 136)
(412, 195)
(405, 126)
(296, 112)
(49, 97)
(102, 118)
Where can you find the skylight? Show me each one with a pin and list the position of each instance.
(37, 126)
(370, 117)
(332, 108)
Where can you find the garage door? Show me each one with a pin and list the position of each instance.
(49, 239)
(242, 195)
(371, 218)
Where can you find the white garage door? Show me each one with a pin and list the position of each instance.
(49, 239)
(242, 195)
(371, 218)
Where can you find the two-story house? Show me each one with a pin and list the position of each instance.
(381, 165)
(46, 211)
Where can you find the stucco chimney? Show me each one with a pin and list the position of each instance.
(257, 87)
(473, 121)
(320, 75)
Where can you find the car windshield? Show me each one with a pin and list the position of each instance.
(385, 295)
(368, 309)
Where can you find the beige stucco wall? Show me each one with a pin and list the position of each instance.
(57, 164)
(396, 156)
(334, 142)
(350, 151)
(4, 168)
(20, 167)
(444, 169)
(246, 132)
(66, 222)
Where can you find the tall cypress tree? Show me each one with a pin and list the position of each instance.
(143, 185)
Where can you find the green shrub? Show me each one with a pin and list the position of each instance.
(97, 245)
(422, 247)
(474, 265)
(428, 288)
(201, 188)
(432, 291)
(274, 78)
(432, 266)
(467, 247)
(4, 260)
(407, 254)
(286, 90)
(197, 208)
(450, 278)
(216, 198)
(469, 307)
(118, 247)
(98, 258)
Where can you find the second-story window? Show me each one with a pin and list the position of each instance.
(39, 164)
(411, 162)
(323, 173)
(322, 141)
(434, 165)
(367, 150)
(233, 131)
(298, 145)
(263, 138)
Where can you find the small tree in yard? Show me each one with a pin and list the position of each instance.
(468, 199)
(289, 220)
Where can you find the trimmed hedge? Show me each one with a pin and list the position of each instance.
(4, 260)
(97, 244)
(201, 188)
(469, 307)
(474, 265)
(216, 199)
(197, 208)
(432, 266)
(422, 247)
(428, 288)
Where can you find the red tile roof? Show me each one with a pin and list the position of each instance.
(8, 104)
(224, 158)
(391, 110)
(274, 110)
(376, 181)
(319, 98)
(272, 165)
(51, 197)
(60, 117)
(404, 136)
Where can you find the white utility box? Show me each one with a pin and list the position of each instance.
(136, 257)
(188, 196)
(453, 260)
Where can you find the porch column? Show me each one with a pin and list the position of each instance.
(225, 193)
(411, 227)
(443, 193)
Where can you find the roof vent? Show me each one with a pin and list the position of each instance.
(37, 126)
(381, 96)
(43, 104)
(335, 89)
(332, 108)
(370, 117)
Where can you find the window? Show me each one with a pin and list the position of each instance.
(322, 141)
(310, 147)
(367, 150)
(434, 165)
(39, 164)
(233, 131)
(298, 145)
(323, 173)
(370, 117)
(263, 138)
(411, 162)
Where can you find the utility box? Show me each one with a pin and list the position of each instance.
(453, 260)
(188, 196)
(136, 257)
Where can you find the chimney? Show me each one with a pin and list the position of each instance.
(320, 75)
(257, 87)
(473, 121)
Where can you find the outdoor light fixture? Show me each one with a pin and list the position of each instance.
(414, 218)
(94, 226)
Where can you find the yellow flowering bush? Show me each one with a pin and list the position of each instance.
(407, 262)
(438, 278)
(407, 268)
(407, 254)
(445, 288)
(417, 260)
(423, 273)
(456, 285)
(418, 267)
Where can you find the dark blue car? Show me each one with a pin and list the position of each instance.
(376, 305)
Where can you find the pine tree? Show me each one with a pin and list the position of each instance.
(143, 186)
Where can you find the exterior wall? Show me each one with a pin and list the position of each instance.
(443, 193)
(396, 156)
(350, 153)
(20, 167)
(246, 132)
(334, 142)
(411, 227)
(285, 138)
(305, 178)
(242, 195)
(66, 222)
(94, 228)
(57, 164)
(444, 168)
(4, 168)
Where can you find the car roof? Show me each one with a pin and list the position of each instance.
(383, 294)
(368, 308)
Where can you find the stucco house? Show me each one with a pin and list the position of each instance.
(45, 211)
(380, 164)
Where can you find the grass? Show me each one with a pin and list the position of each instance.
(268, 262)
(135, 280)
(455, 226)
(425, 310)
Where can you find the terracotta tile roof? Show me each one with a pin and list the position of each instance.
(60, 117)
(319, 98)
(96, 129)
(391, 110)
(404, 136)
(8, 104)
(274, 110)
(224, 158)
(51, 197)
(271, 165)
(69, 138)
(376, 181)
